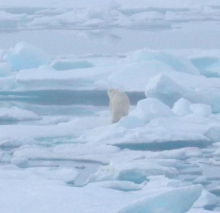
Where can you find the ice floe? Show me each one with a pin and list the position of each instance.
(26, 56)
(169, 92)
(177, 200)
(16, 114)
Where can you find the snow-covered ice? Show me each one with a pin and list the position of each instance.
(59, 151)
(179, 200)
(16, 114)
(26, 56)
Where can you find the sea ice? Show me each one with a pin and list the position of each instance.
(21, 162)
(217, 152)
(151, 108)
(214, 162)
(5, 69)
(208, 66)
(201, 109)
(169, 92)
(165, 89)
(130, 122)
(64, 174)
(17, 114)
(213, 133)
(164, 132)
(5, 16)
(145, 70)
(179, 64)
(67, 175)
(196, 210)
(201, 180)
(206, 199)
(46, 77)
(134, 171)
(146, 16)
(137, 164)
(10, 142)
(182, 107)
(26, 56)
(174, 201)
(122, 185)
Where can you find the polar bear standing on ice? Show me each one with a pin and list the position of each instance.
(119, 104)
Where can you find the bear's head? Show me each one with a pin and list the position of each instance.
(112, 92)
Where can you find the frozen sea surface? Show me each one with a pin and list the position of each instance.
(110, 27)
(58, 150)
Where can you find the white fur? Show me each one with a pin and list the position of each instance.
(119, 104)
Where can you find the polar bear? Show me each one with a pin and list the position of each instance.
(119, 104)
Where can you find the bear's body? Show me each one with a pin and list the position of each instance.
(119, 104)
